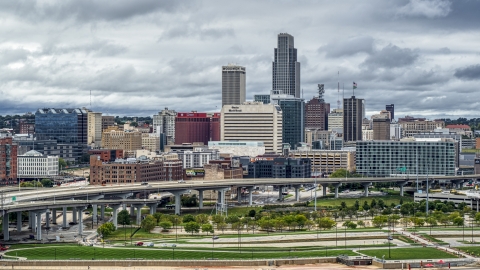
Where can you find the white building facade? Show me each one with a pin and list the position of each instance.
(251, 149)
(34, 163)
(197, 158)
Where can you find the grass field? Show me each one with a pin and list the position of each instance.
(474, 250)
(98, 253)
(408, 253)
(351, 201)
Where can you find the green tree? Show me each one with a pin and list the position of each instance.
(357, 205)
(279, 224)
(221, 226)
(458, 221)
(158, 217)
(166, 225)
(252, 213)
(123, 218)
(46, 182)
(61, 164)
(208, 228)
(188, 218)
(192, 227)
(431, 221)
(106, 229)
(232, 219)
(300, 220)
(379, 221)
(361, 223)
(148, 223)
(373, 203)
(350, 224)
(325, 223)
(201, 219)
(366, 207)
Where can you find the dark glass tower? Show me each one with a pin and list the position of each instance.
(63, 125)
(286, 69)
(352, 119)
(293, 117)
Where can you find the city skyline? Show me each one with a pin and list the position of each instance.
(137, 58)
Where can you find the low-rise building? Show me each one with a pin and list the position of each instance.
(130, 171)
(235, 148)
(461, 129)
(279, 167)
(328, 161)
(37, 165)
(127, 141)
(197, 158)
(107, 155)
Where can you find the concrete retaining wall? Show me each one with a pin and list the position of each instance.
(173, 263)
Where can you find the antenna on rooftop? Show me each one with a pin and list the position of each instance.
(338, 90)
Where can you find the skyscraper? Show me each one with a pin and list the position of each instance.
(316, 111)
(286, 69)
(164, 123)
(233, 85)
(391, 109)
(293, 118)
(352, 119)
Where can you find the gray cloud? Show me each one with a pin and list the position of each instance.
(391, 56)
(444, 50)
(88, 10)
(469, 73)
(348, 46)
(428, 8)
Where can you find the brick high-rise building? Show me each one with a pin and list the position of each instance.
(215, 127)
(107, 121)
(8, 161)
(381, 126)
(128, 141)
(192, 127)
(316, 111)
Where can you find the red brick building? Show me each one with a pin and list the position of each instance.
(316, 114)
(8, 161)
(128, 172)
(197, 127)
(107, 155)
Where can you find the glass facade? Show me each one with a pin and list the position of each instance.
(286, 69)
(63, 125)
(384, 158)
(293, 127)
(265, 99)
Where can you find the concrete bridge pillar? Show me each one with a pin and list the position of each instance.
(31, 221)
(250, 195)
(153, 208)
(6, 232)
(280, 191)
(324, 189)
(132, 210)
(47, 219)
(200, 199)
(297, 193)
(54, 215)
(39, 226)
(74, 215)
(178, 200)
(239, 195)
(401, 185)
(95, 213)
(64, 216)
(365, 186)
(139, 212)
(102, 212)
(19, 221)
(114, 213)
(336, 185)
(80, 221)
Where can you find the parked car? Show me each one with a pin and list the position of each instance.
(150, 244)
(173, 245)
(390, 238)
(139, 244)
(181, 181)
(144, 183)
(215, 237)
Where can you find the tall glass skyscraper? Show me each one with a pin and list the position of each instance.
(293, 113)
(63, 125)
(286, 69)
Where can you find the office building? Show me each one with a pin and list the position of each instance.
(384, 158)
(132, 170)
(328, 161)
(293, 119)
(8, 161)
(316, 111)
(151, 142)
(164, 122)
(192, 127)
(411, 126)
(367, 134)
(279, 167)
(107, 155)
(27, 126)
(215, 126)
(352, 118)
(391, 109)
(233, 85)
(461, 130)
(34, 164)
(197, 158)
(395, 131)
(253, 121)
(127, 141)
(381, 126)
(251, 149)
(107, 121)
(286, 69)
(335, 120)
(68, 126)
(94, 129)
(265, 99)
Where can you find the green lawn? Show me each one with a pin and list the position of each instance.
(351, 201)
(474, 250)
(98, 253)
(408, 253)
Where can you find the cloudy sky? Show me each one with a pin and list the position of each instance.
(137, 57)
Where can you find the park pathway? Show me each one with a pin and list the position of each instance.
(423, 241)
